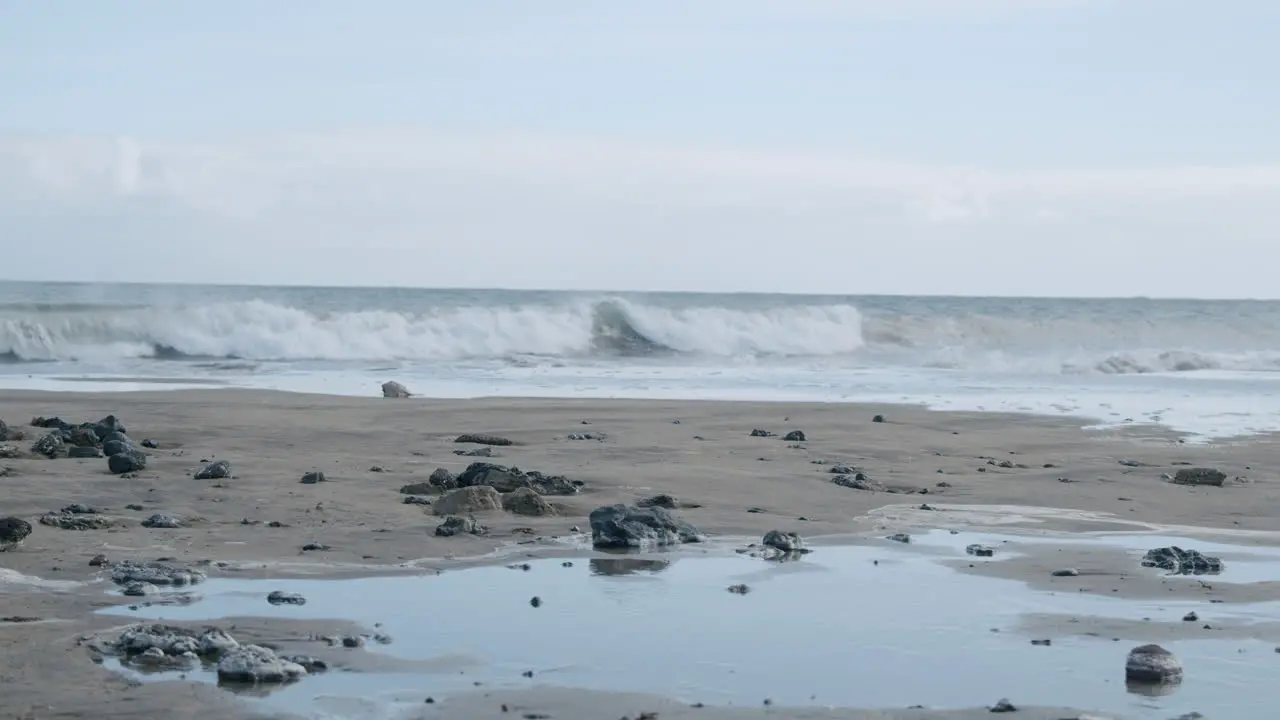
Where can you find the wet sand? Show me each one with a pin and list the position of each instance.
(742, 485)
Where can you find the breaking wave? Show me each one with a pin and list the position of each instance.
(530, 333)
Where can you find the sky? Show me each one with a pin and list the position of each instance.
(969, 147)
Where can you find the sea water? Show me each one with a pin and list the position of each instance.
(1209, 368)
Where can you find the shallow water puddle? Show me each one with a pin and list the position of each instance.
(884, 625)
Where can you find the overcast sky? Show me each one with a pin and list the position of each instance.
(976, 147)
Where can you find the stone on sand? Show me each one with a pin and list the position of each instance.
(525, 501)
(393, 389)
(628, 526)
(13, 530)
(216, 470)
(1152, 664)
(1200, 476)
(465, 500)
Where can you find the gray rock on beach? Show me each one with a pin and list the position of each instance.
(1152, 664)
(509, 479)
(313, 477)
(128, 571)
(483, 439)
(1200, 476)
(50, 445)
(393, 389)
(162, 521)
(13, 530)
(455, 525)
(466, 500)
(858, 481)
(82, 452)
(795, 436)
(628, 526)
(127, 462)
(525, 501)
(116, 447)
(787, 542)
(217, 470)
(254, 664)
(443, 479)
(279, 597)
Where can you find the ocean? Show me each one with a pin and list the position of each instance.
(1209, 368)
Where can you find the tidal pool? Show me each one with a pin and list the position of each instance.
(876, 626)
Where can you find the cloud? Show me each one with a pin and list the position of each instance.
(522, 210)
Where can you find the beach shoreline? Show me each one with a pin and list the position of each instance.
(728, 483)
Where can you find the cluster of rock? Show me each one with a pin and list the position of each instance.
(77, 516)
(106, 437)
(485, 487)
(793, 436)
(159, 647)
(1182, 562)
(140, 579)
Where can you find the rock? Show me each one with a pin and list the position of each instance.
(161, 521)
(1191, 617)
(127, 462)
(586, 436)
(478, 452)
(787, 542)
(128, 571)
(51, 422)
(8, 434)
(157, 644)
(98, 560)
(76, 521)
(377, 469)
(1200, 476)
(1065, 572)
(9, 452)
(315, 547)
(1152, 664)
(482, 439)
(878, 419)
(140, 589)
(50, 445)
(842, 470)
(628, 526)
(312, 478)
(899, 537)
(443, 479)
(393, 389)
(416, 500)
(216, 470)
(858, 481)
(83, 437)
(13, 530)
(83, 452)
(980, 550)
(466, 500)
(1182, 562)
(739, 589)
(150, 444)
(663, 501)
(526, 502)
(108, 425)
(455, 525)
(79, 509)
(508, 479)
(278, 597)
(254, 664)
(761, 433)
(308, 663)
(1003, 706)
(795, 436)
(422, 488)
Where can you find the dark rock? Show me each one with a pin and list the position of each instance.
(279, 597)
(315, 547)
(478, 452)
(739, 589)
(83, 452)
(456, 525)
(308, 663)
(128, 571)
(108, 425)
(466, 500)
(98, 560)
(217, 470)
(787, 542)
(13, 530)
(150, 444)
(858, 481)
(878, 419)
(761, 433)
(8, 434)
(980, 550)
(393, 389)
(312, 478)
(627, 526)
(83, 437)
(139, 589)
(50, 446)
(507, 479)
(416, 500)
(1200, 476)
(377, 469)
(662, 501)
(1003, 706)
(1182, 562)
(525, 501)
(116, 447)
(127, 462)
(9, 452)
(899, 537)
(795, 436)
(842, 470)
(585, 436)
(443, 479)
(1191, 617)
(161, 521)
(1152, 664)
(49, 423)
(422, 488)
(1065, 572)
(113, 436)
(535, 601)
(482, 439)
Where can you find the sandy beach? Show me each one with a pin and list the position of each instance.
(727, 482)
